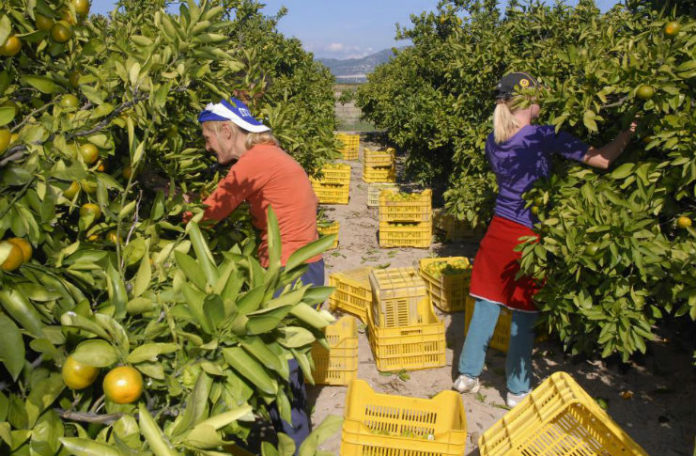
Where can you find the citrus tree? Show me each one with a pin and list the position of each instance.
(124, 331)
(615, 245)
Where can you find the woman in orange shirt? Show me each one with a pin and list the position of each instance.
(264, 176)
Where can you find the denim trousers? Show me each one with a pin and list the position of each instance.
(298, 430)
(519, 356)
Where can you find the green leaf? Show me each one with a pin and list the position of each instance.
(326, 429)
(156, 440)
(196, 405)
(5, 28)
(142, 277)
(11, 347)
(78, 446)
(41, 83)
(7, 114)
(74, 320)
(150, 352)
(97, 353)
(191, 269)
(309, 251)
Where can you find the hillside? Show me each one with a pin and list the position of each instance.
(356, 70)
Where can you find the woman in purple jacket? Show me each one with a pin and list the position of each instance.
(519, 153)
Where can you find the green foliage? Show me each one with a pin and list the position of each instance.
(116, 277)
(612, 258)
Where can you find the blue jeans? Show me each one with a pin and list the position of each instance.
(298, 430)
(519, 355)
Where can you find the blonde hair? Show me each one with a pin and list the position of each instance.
(252, 139)
(504, 122)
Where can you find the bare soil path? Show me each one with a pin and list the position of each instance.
(657, 407)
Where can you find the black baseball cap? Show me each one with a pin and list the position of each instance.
(514, 82)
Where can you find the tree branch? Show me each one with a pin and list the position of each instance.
(88, 417)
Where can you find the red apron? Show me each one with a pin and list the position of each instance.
(496, 265)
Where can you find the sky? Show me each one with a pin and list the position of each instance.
(343, 29)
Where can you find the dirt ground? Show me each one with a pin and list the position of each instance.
(660, 415)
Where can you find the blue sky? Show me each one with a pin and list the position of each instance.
(343, 29)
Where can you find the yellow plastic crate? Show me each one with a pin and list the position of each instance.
(339, 364)
(353, 293)
(334, 173)
(396, 293)
(418, 235)
(412, 347)
(328, 230)
(501, 334)
(378, 158)
(375, 188)
(351, 145)
(558, 418)
(379, 174)
(395, 206)
(331, 193)
(377, 424)
(453, 229)
(447, 288)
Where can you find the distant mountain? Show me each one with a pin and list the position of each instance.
(356, 70)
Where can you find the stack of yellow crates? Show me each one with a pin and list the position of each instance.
(379, 165)
(351, 145)
(405, 219)
(403, 330)
(334, 186)
(327, 228)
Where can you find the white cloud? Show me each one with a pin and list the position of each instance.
(338, 50)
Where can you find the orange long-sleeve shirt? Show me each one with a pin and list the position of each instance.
(267, 176)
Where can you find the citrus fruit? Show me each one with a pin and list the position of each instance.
(44, 23)
(127, 172)
(683, 222)
(14, 259)
(89, 153)
(535, 210)
(77, 375)
(101, 167)
(90, 208)
(24, 246)
(81, 7)
(123, 385)
(672, 28)
(88, 186)
(645, 92)
(11, 46)
(74, 78)
(61, 31)
(113, 237)
(69, 101)
(72, 190)
(5, 136)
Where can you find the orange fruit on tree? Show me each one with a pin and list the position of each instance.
(127, 172)
(88, 186)
(123, 384)
(672, 28)
(89, 153)
(81, 7)
(684, 222)
(5, 137)
(14, 259)
(645, 92)
(74, 78)
(72, 190)
(69, 101)
(44, 23)
(90, 208)
(11, 46)
(61, 31)
(77, 375)
(24, 246)
(113, 237)
(101, 167)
